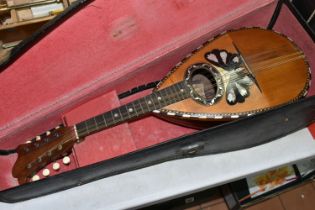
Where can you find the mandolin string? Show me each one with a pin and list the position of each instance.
(227, 76)
(72, 137)
(257, 69)
(258, 55)
(270, 50)
(263, 67)
(267, 52)
(236, 76)
(172, 93)
(295, 55)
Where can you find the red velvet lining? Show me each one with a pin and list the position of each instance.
(105, 144)
(92, 53)
(128, 50)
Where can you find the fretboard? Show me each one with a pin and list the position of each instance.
(133, 110)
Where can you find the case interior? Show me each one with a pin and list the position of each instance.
(78, 69)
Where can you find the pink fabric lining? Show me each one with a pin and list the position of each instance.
(130, 48)
(105, 144)
(91, 53)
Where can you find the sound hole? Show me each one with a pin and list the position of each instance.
(203, 83)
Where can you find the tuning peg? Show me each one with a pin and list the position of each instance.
(37, 138)
(28, 142)
(57, 127)
(56, 166)
(66, 160)
(35, 178)
(47, 133)
(46, 172)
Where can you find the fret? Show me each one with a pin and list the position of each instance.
(122, 118)
(81, 128)
(177, 94)
(169, 95)
(104, 120)
(165, 97)
(95, 123)
(138, 107)
(90, 124)
(124, 112)
(144, 99)
(157, 98)
(109, 119)
(140, 103)
(179, 88)
(86, 127)
(112, 115)
(116, 115)
(100, 121)
(152, 101)
(134, 108)
(176, 89)
(130, 110)
(126, 108)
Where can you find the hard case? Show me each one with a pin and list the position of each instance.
(75, 68)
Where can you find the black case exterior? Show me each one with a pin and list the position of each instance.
(236, 135)
(304, 12)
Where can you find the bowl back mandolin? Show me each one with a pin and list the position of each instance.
(239, 73)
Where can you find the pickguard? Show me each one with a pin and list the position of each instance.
(236, 80)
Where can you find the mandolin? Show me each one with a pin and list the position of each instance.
(237, 74)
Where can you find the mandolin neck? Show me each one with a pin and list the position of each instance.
(133, 110)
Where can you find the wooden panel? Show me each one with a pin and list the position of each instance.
(305, 7)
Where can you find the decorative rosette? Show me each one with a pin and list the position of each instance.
(238, 83)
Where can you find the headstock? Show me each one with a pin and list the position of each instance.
(44, 149)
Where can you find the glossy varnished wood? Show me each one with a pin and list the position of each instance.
(280, 84)
(282, 79)
(39, 153)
